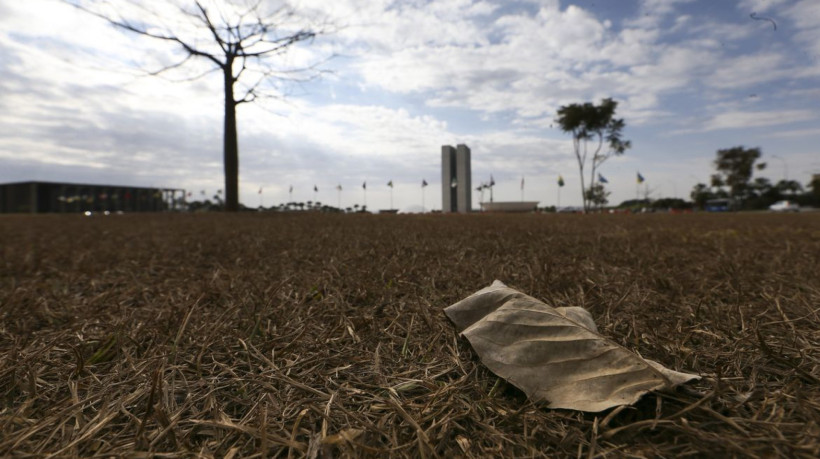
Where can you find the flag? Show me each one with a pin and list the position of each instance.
(315, 188)
(291, 189)
(492, 181)
(364, 185)
(423, 183)
(560, 181)
(339, 187)
(602, 179)
(260, 190)
(390, 184)
(189, 195)
(640, 178)
(522, 183)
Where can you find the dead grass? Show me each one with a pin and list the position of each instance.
(305, 335)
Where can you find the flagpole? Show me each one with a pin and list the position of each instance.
(391, 198)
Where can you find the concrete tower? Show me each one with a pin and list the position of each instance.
(456, 179)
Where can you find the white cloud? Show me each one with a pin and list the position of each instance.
(540, 54)
(759, 5)
(653, 13)
(805, 15)
(536, 62)
(745, 71)
(661, 6)
(750, 119)
(797, 133)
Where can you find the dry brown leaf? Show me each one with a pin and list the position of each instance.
(555, 354)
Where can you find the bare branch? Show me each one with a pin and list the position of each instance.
(126, 25)
(195, 77)
(282, 43)
(307, 74)
(211, 27)
(172, 66)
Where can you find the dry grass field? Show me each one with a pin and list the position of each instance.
(290, 335)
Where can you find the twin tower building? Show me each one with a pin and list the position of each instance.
(456, 181)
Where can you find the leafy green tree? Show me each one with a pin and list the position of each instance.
(790, 187)
(242, 40)
(815, 188)
(596, 124)
(700, 194)
(762, 186)
(597, 195)
(735, 167)
(761, 193)
(716, 182)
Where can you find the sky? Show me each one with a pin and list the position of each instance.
(402, 78)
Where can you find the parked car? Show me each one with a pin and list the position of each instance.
(785, 206)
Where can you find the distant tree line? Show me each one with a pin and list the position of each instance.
(208, 205)
(734, 179)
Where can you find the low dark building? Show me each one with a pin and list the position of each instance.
(50, 197)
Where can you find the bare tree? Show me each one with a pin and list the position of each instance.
(239, 38)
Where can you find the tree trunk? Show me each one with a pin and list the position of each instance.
(581, 170)
(595, 165)
(231, 146)
(592, 182)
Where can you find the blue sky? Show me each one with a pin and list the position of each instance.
(690, 77)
